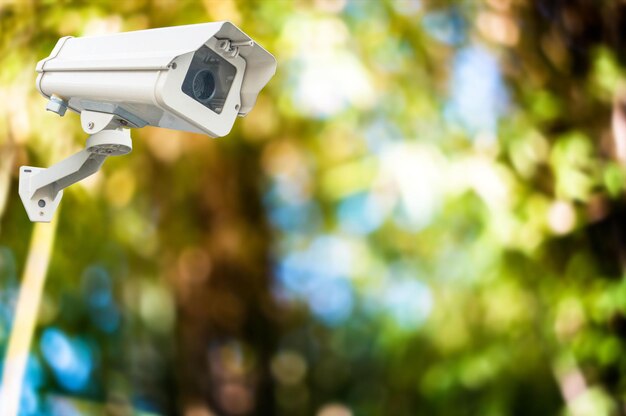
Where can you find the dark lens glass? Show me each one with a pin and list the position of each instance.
(203, 85)
(209, 79)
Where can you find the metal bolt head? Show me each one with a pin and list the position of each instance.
(224, 45)
(90, 125)
(41, 203)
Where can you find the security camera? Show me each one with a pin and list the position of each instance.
(195, 78)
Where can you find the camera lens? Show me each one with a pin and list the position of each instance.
(209, 79)
(203, 85)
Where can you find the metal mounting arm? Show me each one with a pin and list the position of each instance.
(41, 189)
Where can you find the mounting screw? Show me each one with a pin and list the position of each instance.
(224, 45)
(90, 125)
(41, 203)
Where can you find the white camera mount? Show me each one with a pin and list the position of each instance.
(41, 189)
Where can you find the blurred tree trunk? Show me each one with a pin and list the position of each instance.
(221, 277)
(561, 41)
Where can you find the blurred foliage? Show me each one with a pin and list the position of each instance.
(423, 214)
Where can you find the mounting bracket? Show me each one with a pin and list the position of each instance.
(41, 189)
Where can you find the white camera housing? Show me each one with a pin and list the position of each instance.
(139, 75)
(195, 78)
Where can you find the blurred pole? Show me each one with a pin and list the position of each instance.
(7, 156)
(25, 317)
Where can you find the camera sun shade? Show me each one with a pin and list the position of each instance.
(141, 73)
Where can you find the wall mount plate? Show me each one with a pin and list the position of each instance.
(41, 205)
